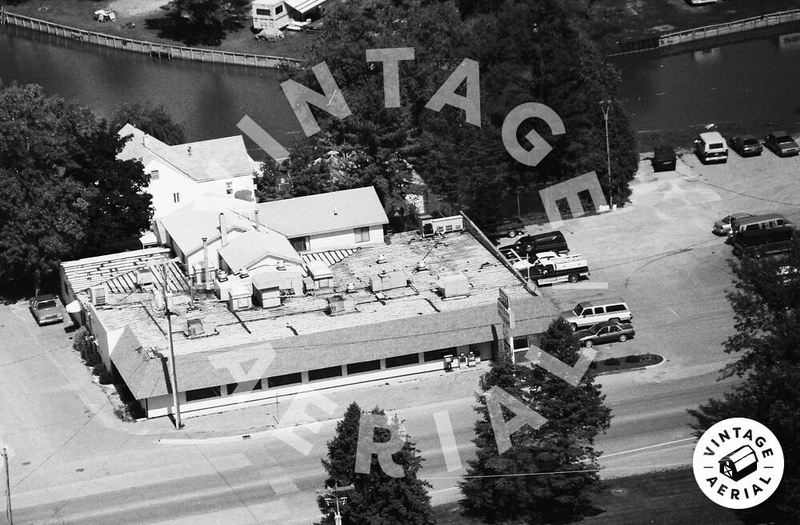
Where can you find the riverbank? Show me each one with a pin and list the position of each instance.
(637, 19)
(139, 20)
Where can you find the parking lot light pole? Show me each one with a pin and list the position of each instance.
(605, 106)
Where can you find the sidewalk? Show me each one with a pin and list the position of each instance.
(391, 395)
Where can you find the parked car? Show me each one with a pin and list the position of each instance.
(711, 147)
(723, 226)
(587, 313)
(746, 146)
(506, 227)
(530, 245)
(782, 144)
(46, 309)
(606, 332)
(664, 158)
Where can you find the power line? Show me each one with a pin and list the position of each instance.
(756, 197)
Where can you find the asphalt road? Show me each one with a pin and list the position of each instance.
(244, 482)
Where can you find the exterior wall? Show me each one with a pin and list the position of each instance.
(345, 239)
(162, 405)
(105, 339)
(171, 181)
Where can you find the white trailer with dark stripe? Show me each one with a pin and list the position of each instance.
(551, 268)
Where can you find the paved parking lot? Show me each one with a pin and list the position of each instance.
(659, 254)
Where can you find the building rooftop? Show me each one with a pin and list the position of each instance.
(323, 213)
(118, 271)
(187, 227)
(411, 318)
(251, 247)
(202, 161)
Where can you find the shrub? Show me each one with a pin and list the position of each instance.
(612, 361)
(593, 365)
(633, 359)
(105, 377)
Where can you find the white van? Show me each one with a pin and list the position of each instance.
(711, 147)
(587, 313)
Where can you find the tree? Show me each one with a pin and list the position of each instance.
(206, 21)
(153, 120)
(377, 497)
(766, 305)
(527, 52)
(550, 472)
(63, 193)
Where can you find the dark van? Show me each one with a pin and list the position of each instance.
(756, 243)
(542, 242)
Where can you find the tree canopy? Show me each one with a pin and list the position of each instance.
(204, 21)
(153, 120)
(766, 304)
(549, 473)
(63, 193)
(377, 497)
(526, 51)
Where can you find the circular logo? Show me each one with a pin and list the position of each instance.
(738, 463)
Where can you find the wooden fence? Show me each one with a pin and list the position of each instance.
(151, 48)
(709, 32)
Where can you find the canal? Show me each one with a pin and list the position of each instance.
(748, 87)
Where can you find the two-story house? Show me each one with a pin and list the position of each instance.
(178, 174)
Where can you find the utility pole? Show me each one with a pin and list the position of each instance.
(171, 349)
(334, 491)
(605, 106)
(9, 517)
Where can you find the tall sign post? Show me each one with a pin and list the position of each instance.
(507, 316)
(9, 516)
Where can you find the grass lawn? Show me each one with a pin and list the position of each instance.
(658, 498)
(79, 14)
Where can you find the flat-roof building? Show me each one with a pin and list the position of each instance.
(345, 332)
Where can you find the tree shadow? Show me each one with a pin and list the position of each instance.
(186, 32)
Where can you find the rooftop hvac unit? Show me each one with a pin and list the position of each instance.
(239, 298)
(350, 287)
(145, 277)
(453, 285)
(341, 304)
(194, 328)
(320, 274)
(97, 294)
(430, 226)
(158, 300)
(388, 281)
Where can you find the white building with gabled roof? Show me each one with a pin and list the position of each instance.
(178, 174)
(328, 221)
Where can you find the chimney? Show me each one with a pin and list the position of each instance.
(335, 211)
(258, 223)
(223, 229)
(205, 260)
